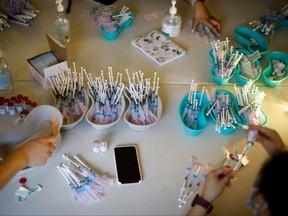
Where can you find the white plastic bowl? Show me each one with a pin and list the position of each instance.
(90, 115)
(37, 124)
(142, 127)
(73, 124)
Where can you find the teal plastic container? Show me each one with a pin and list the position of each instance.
(216, 79)
(128, 23)
(262, 116)
(110, 35)
(244, 80)
(224, 80)
(267, 72)
(201, 120)
(251, 40)
(230, 130)
(114, 35)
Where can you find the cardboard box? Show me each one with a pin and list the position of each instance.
(47, 64)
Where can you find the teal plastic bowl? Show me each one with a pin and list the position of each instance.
(244, 121)
(219, 80)
(268, 71)
(244, 80)
(114, 35)
(226, 131)
(211, 56)
(282, 23)
(128, 23)
(252, 40)
(201, 120)
(110, 35)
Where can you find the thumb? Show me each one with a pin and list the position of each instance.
(194, 25)
(52, 139)
(227, 178)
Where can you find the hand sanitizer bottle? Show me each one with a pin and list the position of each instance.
(171, 24)
(62, 25)
(5, 75)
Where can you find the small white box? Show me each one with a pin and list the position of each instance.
(47, 64)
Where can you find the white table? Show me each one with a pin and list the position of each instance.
(164, 149)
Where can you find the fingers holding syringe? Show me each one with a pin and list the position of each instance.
(216, 181)
(227, 176)
(269, 138)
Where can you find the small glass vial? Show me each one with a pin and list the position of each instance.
(5, 75)
(2, 108)
(6, 102)
(27, 104)
(13, 99)
(18, 106)
(24, 114)
(19, 96)
(171, 24)
(11, 109)
(20, 119)
(33, 105)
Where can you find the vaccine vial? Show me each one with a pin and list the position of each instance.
(11, 109)
(171, 24)
(5, 75)
(2, 108)
(18, 106)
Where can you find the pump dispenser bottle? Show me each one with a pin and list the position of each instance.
(171, 24)
(5, 75)
(62, 25)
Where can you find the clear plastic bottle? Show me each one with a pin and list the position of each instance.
(62, 25)
(5, 75)
(171, 24)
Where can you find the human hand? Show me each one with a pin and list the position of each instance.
(215, 182)
(36, 152)
(269, 138)
(202, 15)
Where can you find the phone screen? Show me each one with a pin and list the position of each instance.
(127, 164)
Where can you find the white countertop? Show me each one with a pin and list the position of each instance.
(165, 148)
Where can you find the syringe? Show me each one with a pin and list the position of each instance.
(250, 141)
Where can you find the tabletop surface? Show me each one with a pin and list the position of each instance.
(165, 148)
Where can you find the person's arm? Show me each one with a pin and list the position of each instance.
(202, 15)
(215, 182)
(30, 154)
(269, 138)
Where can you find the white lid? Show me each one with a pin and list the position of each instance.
(173, 9)
(60, 7)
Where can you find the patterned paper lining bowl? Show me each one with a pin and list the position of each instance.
(242, 79)
(252, 40)
(267, 73)
(260, 120)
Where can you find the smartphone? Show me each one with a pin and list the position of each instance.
(127, 164)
